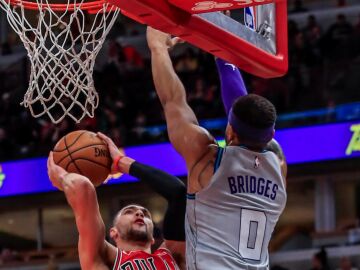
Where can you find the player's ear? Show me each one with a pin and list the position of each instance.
(114, 233)
(229, 133)
(231, 136)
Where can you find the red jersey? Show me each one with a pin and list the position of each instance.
(161, 259)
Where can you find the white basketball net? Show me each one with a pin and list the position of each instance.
(62, 47)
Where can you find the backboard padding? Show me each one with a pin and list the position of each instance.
(201, 6)
(200, 31)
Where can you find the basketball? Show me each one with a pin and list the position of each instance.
(84, 153)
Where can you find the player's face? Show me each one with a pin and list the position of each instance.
(134, 223)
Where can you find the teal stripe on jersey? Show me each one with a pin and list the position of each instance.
(218, 158)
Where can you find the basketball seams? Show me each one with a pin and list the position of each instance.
(85, 154)
(78, 149)
(72, 161)
(67, 146)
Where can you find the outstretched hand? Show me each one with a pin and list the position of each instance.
(55, 172)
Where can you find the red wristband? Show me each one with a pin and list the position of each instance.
(116, 163)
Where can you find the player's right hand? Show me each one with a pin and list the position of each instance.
(159, 40)
(55, 172)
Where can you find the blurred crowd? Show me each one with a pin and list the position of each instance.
(319, 261)
(324, 68)
(323, 71)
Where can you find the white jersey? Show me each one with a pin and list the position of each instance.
(229, 223)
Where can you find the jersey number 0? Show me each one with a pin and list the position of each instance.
(252, 232)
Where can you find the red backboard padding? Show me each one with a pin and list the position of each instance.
(200, 6)
(162, 15)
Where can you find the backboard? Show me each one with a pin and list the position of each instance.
(260, 49)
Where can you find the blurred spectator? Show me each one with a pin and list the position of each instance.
(117, 30)
(115, 54)
(357, 25)
(293, 31)
(6, 49)
(341, 3)
(6, 152)
(50, 134)
(139, 130)
(356, 39)
(320, 260)
(132, 57)
(187, 62)
(7, 255)
(312, 30)
(88, 123)
(345, 264)
(52, 265)
(318, 65)
(197, 96)
(338, 38)
(7, 46)
(298, 7)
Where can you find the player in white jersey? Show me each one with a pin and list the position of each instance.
(235, 194)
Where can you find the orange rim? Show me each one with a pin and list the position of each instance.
(89, 6)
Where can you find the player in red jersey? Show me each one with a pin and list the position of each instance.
(132, 230)
(136, 221)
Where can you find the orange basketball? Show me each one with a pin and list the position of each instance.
(84, 153)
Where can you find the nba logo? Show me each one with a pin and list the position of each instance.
(249, 18)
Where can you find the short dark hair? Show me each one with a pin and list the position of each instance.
(255, 111)
(120, 211)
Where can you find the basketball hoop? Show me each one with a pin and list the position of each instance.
(62, 45)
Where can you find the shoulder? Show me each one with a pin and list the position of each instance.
(111, 253)
(164, 253)
(117, 260)
(171, 247)
(162, 250)
(172, 257)
(198, 138)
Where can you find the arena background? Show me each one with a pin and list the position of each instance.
(318, 102)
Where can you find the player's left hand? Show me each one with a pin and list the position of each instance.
(113, 149)
(55, 172)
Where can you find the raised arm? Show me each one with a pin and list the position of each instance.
(166, 185)
(232, 83)
(174, 191)
(232, 87)
(80, 193)
(188, 138)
